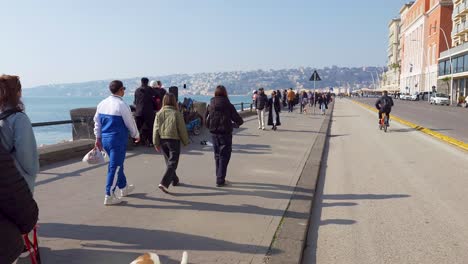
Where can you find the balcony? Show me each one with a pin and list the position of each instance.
(459, 10)
(460, 29)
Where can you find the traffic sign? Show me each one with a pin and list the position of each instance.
(315, 77)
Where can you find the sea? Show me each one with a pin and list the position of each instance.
(50, 108)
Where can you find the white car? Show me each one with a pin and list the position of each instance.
(440, 99)
(405, 97)
(413, 97)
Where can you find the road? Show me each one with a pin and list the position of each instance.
(451, 121)
(397, 197)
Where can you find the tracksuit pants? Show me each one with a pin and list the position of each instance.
(222, 145)
(291, 106)
(116, 149)
(171, 151)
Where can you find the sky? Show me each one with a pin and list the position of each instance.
(62, 41)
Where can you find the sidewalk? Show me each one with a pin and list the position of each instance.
(215, 225)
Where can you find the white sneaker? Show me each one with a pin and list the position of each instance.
(127, 190)
(111, 200)
(263, 128)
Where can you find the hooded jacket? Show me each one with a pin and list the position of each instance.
(220, 115)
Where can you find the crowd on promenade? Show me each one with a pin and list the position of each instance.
(156, 122)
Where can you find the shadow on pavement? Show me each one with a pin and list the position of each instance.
(96, 238)
(208, 207)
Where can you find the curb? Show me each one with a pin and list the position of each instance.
(427, 131)
(290, 238)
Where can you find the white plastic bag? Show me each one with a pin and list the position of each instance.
(95, 157)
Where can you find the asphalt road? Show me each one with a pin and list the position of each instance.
(396, 197)
(451, 121)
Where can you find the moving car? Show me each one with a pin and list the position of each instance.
(440, 99)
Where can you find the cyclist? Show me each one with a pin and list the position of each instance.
(384, 105)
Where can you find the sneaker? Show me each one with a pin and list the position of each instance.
(127, 190)
(163, 188)
(259, 127)
(263, 128)
(111, 200)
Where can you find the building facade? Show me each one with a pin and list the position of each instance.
(391, 78)
(424, 41)
(456, 58)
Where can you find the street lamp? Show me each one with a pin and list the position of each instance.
(451, 63)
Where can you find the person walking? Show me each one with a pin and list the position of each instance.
(310, 96)
(274, 107)
(291, 97)
(285, 98)
(112, 122)
(219, 118)
(16, 133)
(169, 131)
(323, 103)
(261, 104)
(145, 111)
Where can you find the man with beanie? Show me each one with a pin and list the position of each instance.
(112, 123)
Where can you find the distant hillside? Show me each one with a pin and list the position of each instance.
(238, 83)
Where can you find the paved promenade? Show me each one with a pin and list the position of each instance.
(451, 121)
(215, 225)
(396, 197)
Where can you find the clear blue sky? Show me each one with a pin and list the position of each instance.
(56, 41)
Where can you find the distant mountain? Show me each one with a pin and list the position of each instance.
(238, 82)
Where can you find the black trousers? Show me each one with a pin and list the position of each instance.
(381, 111)
(145, 127)
(222, 145)
(171, 151)
(291, 106)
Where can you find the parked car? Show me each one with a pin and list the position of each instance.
(405, 97)
(440, 99)
(414, 97)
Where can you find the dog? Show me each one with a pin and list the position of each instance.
(152, 258)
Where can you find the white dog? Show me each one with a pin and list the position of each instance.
(152, 258)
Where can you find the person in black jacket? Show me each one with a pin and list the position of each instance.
(274, 106)
(145, 111)
(261, 104)
(18, 210)
(384, 104)
(220, 116)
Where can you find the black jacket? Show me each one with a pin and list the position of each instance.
(261, 102)
(322, 100)
(385, 103)
(18, 210)
(220, 115)
(276, 106)
(144, 102)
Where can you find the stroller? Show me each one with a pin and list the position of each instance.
(193, 120)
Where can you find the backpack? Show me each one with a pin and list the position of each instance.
(385, 102)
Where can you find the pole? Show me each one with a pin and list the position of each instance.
(315, 94)
(451, 65)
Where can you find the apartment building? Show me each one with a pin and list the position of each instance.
(423, 25)
(456, 58)
(391, 78)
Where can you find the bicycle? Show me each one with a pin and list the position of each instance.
(384, 122)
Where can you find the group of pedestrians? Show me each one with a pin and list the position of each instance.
(272, 105)
(114, 124)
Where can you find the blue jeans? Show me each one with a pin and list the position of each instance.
(116, 150)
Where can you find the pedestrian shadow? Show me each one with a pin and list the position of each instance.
(342, 135)
(76, 173)
(93, 237)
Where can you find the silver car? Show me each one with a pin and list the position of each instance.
(440, 99)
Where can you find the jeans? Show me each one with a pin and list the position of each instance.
(116, 150)
(171, 151)
(222, 145)
(261, 118)
(323, 108)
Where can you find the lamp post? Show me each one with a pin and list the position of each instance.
(451, 63)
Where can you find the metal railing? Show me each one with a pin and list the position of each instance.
(242, 104)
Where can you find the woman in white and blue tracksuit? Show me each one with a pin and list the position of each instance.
(113, 121)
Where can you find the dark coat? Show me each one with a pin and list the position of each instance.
(322, 100)
(276, 106)
(144, 101)
(18, 210)
(261, 102)
(385, 103)
(220, 116)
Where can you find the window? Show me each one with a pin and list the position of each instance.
(466, 62)
(447, 67)
(459, 64)
(442, 68)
